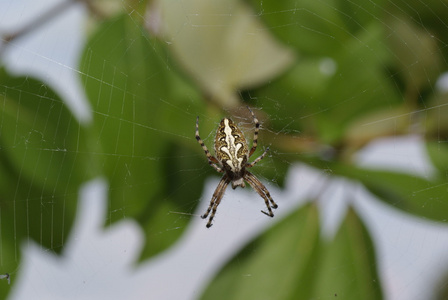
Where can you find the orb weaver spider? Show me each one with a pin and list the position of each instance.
(232, 156)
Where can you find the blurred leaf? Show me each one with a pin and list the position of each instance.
(289, 261)
(124, 83)
(289, 98)
(435, 125)
(224, 47)
(43, 161)
(438, 153)
(416, 54)
(276, 265)
(348, 269)
(141, 117)
(358, 15)
(183, 185)
(411, 194)
(360, 84)
(430, 16)
(314, 28)
(352, 83)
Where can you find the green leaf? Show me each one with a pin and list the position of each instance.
(277, 265)
(438, 153)
(312, 27)
(340, 74)
(427, 198)
(289, 261)
(183, 184)
(43, 161)
(325, 104)
(359, 86)
(348, 269)
(417, 52)
(358, 15)
(224, 48)
(429, 15)
(124, 84)
(143, 112)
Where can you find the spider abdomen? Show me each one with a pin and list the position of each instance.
(231, 147)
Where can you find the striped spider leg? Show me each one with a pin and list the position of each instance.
(232, 155)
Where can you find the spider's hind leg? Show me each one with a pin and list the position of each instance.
(274, 205)
(216, 199)
(262, 191)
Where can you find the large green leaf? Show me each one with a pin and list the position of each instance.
(222, 54)
(277, 265)
(43, 161)
(289, 261)
(427, 198)
(124, 84)
(348, 269)
(141, 117)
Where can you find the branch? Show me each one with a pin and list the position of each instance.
(43, 19)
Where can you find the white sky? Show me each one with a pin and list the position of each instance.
(101, 264)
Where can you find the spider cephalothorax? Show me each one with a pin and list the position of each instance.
(232, 155)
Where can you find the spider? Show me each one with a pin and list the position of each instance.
(232, 157)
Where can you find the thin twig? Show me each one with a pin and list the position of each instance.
(43, 19)
(36, 23)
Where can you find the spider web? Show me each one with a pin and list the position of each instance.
(100, 263)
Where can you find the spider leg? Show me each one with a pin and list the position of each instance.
(258, 159)
(262, 191)
(216, 199)
(212, 161)
(257, 127)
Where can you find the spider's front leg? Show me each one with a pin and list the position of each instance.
(257, 128)
(250, 165)
(212, 161)
(216, 199)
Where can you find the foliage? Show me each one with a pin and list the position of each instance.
(335, 74)
(43, 160)
(291, 261)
